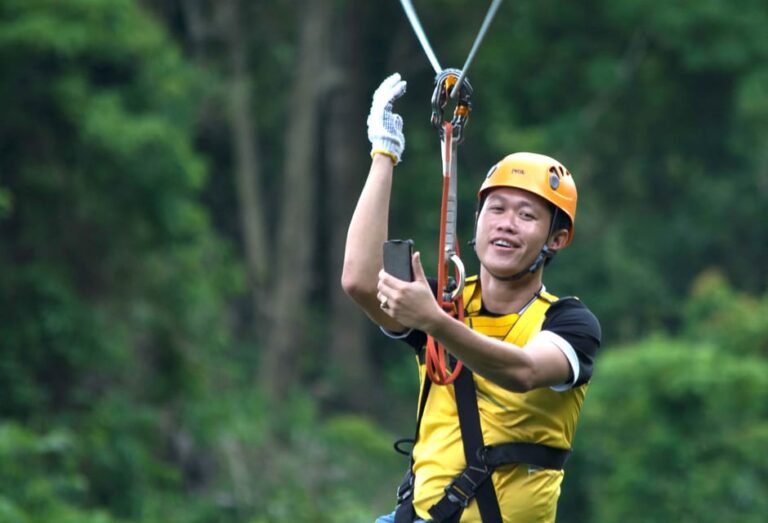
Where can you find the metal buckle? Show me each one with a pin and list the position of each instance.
(405, 489)
(464, 487)
(455, 495)
(482, 454)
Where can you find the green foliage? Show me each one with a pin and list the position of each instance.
(724, 317)
(113, 284)
(5, 202)
(671, 431)
(40, 479)
(294, 464)
(110, 246)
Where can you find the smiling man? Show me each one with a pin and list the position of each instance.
(491, 446)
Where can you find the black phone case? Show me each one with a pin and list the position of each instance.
(397, 259)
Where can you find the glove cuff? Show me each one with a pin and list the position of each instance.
(389, 154)
(390, 143)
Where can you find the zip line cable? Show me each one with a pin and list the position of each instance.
(410, 12)
(413, 18)
(478, 40)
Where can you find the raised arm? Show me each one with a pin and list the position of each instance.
(368, 229)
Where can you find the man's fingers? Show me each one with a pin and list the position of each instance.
(418, 270)
(392, 79)
(392, 282)
(398, 89)
(391, 88)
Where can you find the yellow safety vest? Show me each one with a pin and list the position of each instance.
(541, 416)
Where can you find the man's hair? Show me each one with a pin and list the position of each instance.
(562, 221)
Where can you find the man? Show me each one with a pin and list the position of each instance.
(491, 446)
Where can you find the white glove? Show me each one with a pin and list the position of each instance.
(385, 129)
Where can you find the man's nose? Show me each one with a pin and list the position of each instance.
(508, 222)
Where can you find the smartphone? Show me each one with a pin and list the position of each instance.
(397, 258)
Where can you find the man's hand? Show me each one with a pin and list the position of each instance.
(385, 129)
(411, 304)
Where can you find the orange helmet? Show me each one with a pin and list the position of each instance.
(536, 173)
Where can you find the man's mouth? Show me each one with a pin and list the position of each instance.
(505, 244)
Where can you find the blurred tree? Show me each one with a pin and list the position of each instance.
(113, 286)
(348, 362)
(671, 431)
(248, 175)
(719, 315)
(291, 281)
(296, 242)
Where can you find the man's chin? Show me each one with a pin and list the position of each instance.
(504, 273)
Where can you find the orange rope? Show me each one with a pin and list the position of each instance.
(435, 359)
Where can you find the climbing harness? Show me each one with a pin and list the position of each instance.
(450, 84)
(474, 483)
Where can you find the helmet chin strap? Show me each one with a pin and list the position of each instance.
(545, 254)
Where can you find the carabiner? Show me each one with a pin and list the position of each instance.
(444, 84)
(462, 278)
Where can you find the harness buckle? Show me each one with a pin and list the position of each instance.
(482, 454)
(405, 489)
(464, 486)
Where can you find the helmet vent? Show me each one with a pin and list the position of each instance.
(554, 178)
(555, 174)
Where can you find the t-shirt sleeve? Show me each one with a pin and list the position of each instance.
(573, 327)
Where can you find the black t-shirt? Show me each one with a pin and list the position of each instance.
(568, 317)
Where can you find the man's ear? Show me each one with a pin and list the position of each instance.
(558, 239)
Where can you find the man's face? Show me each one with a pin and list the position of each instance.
(511, 229)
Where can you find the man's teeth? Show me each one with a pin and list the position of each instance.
(502, 243)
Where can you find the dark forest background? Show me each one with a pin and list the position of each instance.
(176, 180)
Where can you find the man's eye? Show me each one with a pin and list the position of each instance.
(528, 216)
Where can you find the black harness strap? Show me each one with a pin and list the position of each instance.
(529, 453)
(473, 482)
(405, 513)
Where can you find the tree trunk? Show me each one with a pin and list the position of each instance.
(295, 228)
(346, 158)
(245, 152)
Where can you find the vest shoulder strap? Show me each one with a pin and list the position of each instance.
(531, 320)
(472, 302)
(549, 297)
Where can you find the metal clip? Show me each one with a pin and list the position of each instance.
(444, 85)
(453, 288)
